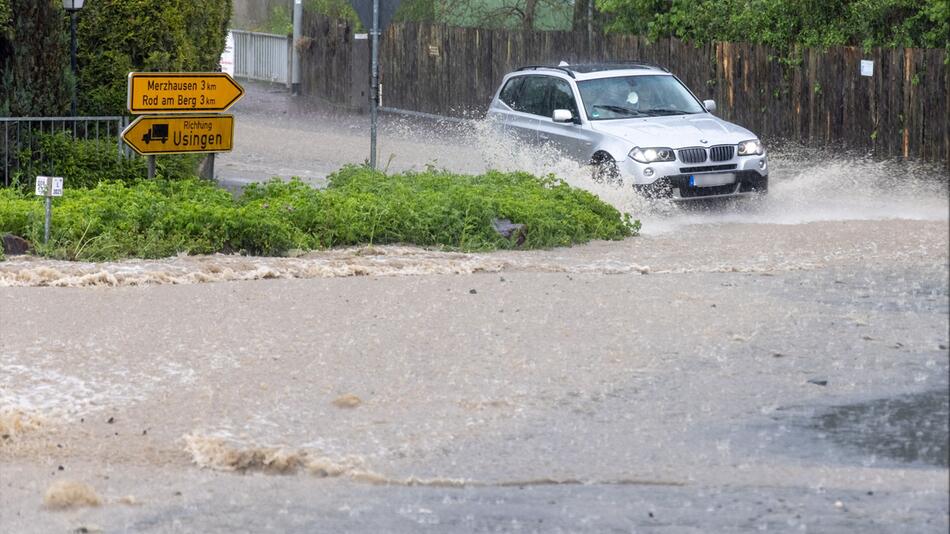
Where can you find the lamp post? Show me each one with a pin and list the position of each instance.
(73, 7)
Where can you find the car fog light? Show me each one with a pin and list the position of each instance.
(762, 164)
(648, 172)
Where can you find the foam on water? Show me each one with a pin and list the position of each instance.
(359, 261)
(692, 249)
(221, 454)
(64, 494)
(16, 421)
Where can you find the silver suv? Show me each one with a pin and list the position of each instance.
(636, 124)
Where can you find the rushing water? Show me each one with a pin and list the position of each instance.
(775, 364)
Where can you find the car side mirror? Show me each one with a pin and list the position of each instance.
(562, 115)
(710, 105)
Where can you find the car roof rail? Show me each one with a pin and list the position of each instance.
(641, 64)
(594, 67)
(565, 70)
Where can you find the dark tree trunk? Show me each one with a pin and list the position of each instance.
(530, 7)
(580, 15)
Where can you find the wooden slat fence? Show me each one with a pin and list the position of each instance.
(822, 100)
(326, 58)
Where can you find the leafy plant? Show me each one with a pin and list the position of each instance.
(86, 162)
(160, 218)
(119, 36)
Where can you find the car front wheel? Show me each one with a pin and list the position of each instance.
(605, 171)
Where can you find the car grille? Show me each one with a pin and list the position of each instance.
(708, 168)
(721, 153)
(692, 155)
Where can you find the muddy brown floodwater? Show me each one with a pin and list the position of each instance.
(775, 365)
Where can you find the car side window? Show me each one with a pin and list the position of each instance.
(509, 93)
(533, 96)
(562, 97)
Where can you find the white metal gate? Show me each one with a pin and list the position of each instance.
(262, 56)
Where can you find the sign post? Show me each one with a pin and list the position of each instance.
(298, 33)
(375, 14)
(374, 87)
(49, 187)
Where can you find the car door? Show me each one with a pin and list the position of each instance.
(571, 139)
(528, 106)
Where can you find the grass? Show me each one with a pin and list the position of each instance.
(161, 218)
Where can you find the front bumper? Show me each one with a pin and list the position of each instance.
(671, 179)
(678, 188)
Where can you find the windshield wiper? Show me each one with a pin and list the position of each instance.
(618, 109)
(664, 111)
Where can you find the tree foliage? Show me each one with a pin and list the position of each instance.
(524, 14)
(120, 36)
(783, 23)
(34, 58)
(337, 9)
(5, 16)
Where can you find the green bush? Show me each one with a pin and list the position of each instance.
(152, 219)
(119, 36)
(84, 163)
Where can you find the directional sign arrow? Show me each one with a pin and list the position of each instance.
(182, 92)
(182, 134)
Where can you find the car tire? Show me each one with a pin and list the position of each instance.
(605, 171)
(758, 185)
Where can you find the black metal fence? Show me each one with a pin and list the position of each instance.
(21, 148)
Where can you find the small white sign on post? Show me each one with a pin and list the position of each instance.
(41, 182)
(49, 186)
(57, 186)
(867, 67)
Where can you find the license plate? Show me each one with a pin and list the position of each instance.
(711, 180)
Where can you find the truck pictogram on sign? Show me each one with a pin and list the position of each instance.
(158, 132)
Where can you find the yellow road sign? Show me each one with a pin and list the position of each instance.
(180, 134)
(182, 92)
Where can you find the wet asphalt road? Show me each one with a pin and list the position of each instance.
(779, 368)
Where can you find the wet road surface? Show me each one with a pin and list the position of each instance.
(779, 365)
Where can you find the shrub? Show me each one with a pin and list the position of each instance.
(86, 162)
(159, 218)
(119, 36)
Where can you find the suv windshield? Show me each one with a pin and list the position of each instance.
(624, 97)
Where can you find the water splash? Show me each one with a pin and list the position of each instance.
(806, 185)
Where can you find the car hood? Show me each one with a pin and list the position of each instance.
(676, 131)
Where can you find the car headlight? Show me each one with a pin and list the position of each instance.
(752, 147)
(650, 155)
